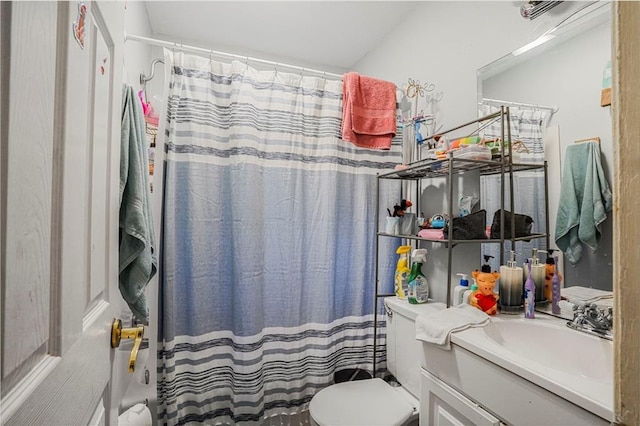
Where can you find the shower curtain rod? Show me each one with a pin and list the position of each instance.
(185, 47)
(553, 109)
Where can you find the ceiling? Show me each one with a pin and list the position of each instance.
(332, 35)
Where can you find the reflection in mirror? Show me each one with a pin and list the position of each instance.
(562, 72)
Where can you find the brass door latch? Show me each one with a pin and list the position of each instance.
(118, 333)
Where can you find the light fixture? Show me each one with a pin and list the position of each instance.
(532, 9)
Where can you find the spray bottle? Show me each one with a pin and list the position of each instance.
(418, 285)
(529, 295)
(402, 272)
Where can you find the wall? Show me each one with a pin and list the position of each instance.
(569, 75)
(445, 43)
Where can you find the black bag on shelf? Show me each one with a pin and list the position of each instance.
(469, 227)
(523, 224)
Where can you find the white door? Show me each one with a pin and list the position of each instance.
(59, 177)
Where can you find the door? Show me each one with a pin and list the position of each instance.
(59, 176)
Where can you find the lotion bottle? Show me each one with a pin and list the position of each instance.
(459, 291)
(418, 285)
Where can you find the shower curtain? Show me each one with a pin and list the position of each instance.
(267, 283)
(527, 126)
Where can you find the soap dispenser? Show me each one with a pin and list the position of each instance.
(418, 285)
(538, 272)
(459, 291)
(511, 288)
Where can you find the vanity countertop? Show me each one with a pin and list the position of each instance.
(573, 365)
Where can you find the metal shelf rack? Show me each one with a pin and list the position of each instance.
(447, 168)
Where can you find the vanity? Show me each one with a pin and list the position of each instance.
(518, 371)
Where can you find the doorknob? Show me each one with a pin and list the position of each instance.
(118, 333)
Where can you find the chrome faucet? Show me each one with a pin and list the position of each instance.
(590, 319)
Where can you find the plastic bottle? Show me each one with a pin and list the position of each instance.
(418, 285)
(529, 296)
(555, 289)
(538, 272)
(402, 272)
(459, 291)
(511, 288)
(486, 267)
(550, 271)
(467, 294)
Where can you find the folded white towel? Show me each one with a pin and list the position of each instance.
(437, 327)
(581, 295)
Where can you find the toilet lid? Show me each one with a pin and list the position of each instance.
(363, 402)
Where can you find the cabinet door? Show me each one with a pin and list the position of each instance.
(441, 405)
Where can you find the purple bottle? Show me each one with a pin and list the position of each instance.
(529, 296)
(555, 289)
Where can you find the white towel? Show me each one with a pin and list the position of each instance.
(437, 327)
(582, 295)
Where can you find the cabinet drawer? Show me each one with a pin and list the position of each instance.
(442, 405)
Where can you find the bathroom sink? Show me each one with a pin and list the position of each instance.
(573, 365)
(564, 349)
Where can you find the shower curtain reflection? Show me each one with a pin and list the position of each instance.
(268, 240)
(527, 126)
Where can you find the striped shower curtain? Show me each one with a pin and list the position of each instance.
(527, 126)
(267, 281)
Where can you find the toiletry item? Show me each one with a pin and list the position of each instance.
(529, 295)
(486, 267)
(555, 289)
(484, 298)
(418, 285)
(467, 294)
(550, 270)
(459, 291)
(402, 272)
(538, 272)
(511, 286)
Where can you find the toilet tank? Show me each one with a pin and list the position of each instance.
(403, 350)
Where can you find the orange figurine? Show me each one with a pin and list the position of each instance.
(484, 298)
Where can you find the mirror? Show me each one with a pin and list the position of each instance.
(564, 68)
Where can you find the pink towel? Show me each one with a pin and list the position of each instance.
(369, 111)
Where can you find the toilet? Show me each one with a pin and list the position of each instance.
(374, 401)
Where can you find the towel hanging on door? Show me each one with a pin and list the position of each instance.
(137, 257)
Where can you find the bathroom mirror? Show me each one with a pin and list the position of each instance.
(564, 68)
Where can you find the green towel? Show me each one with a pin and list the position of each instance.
(585, 199)
(137, 257)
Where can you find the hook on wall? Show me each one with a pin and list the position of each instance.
(144, 78)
